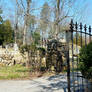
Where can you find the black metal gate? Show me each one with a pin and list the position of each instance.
(80, 36)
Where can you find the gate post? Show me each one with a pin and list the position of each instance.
(68, 62)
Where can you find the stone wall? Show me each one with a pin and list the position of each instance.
(10, 57)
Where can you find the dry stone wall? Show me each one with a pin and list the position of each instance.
(10, 57)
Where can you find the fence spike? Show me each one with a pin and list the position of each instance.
(85, 28)
(76, 26)
(80, 26)
(71, 25)
(89, 29)
(89, 33)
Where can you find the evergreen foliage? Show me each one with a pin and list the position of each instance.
(6, 31)
(85, 58)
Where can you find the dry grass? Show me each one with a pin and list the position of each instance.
(21, 73)
(14, 72)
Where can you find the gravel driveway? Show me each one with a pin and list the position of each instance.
(44, 84)
(57, 83)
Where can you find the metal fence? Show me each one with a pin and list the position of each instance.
(80, 36)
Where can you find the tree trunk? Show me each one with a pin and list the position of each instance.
(26, 22)
(28, 62)
(57, 18)
(24, 35)
(16, 22)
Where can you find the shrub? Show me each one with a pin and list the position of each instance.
(26, 48)
(85, 61)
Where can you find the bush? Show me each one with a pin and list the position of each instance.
(26, 48)
(85, 61)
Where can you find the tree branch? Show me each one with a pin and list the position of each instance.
(22, 4)
(35, 9)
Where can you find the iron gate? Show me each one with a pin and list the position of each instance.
(80, 36)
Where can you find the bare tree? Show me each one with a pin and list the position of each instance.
(64, 10)
(44, 20)
(26, 20)
(16, 20)
(25, 9)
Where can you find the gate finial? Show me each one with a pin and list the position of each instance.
(71, 25)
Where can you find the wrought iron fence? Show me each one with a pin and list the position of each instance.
(81, 35)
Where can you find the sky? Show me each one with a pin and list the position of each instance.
(88, 15)
(9, 9)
